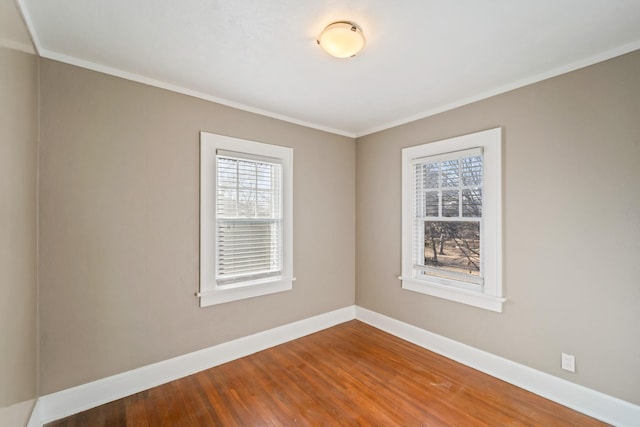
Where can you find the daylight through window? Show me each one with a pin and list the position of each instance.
(448, 215)
(246, 219)
(249, 219)
(451, 219)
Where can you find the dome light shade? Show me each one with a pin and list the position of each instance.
(341, 39)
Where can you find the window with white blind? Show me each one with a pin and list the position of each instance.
(245, 219)
(451, 219)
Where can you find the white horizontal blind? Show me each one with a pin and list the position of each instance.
(248, 217)
(448, 215)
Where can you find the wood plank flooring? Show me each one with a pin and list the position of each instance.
(348, 375)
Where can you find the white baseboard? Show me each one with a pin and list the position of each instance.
(582, 399)
(77, 399)
(16, 415)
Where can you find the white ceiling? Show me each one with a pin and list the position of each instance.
(422, 56)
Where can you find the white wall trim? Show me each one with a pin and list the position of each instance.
(77, 399)
(590, 402)
(26, 18)
(582, 399)
(558, 71)
(138, 78)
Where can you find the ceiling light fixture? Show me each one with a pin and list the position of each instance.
(341, 39)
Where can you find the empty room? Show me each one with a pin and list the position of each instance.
(280, 212)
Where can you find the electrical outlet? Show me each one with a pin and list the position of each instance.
(568, 362)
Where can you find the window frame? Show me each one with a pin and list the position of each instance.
(490, 295)
(211, 292)
(440, 275)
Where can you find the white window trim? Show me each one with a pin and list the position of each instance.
(490, 297)
(210, 292)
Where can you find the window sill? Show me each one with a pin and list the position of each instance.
(238, 291)
(464, 296)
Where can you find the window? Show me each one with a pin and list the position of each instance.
(451, 219)
(246, 219)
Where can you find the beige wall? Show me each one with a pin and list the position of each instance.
(119, 230)
(18, 168)
(571, 232)
(119, 226)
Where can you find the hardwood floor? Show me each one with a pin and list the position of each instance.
(348, 375)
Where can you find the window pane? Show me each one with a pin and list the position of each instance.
(246, 174)
(450, 203)
(430, 171)
(452, 246)
(431, 203)
(265, 204)
(227, 202)
(248, 199)
(246, 203)
(472, 202)
(226, 173)
(472, 171)
(450, 172)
